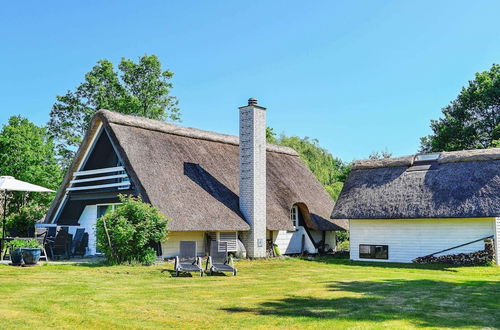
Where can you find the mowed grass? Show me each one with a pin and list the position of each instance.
(289, 293)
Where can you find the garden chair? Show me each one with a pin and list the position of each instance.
(81, 248)
(187, 261)
(218, 260)
(61, 246)
(77, 239)
(41, 237)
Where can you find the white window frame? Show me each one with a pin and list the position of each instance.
(294, 216)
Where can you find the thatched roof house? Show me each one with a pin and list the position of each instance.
(192, 176)
(422, 204)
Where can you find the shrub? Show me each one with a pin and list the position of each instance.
(18, 243)
(23, 222)
(129, 233)
(343, 246)
(342, 235)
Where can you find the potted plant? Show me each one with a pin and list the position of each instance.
(27, 251)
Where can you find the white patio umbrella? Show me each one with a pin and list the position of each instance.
(9, 183)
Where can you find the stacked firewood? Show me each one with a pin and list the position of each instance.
(477, 258)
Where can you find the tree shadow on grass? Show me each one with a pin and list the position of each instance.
(420, 302)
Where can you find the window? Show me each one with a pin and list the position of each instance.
(424, 162)
(105, 208)
(373, 251)
(294, 216)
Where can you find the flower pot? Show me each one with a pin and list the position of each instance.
(31, 256)
(16, 256)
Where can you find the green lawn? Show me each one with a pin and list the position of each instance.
(290, 293)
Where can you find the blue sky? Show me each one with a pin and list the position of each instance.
(358, 75)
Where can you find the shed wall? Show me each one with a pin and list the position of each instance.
(170, 247)
(411, 238)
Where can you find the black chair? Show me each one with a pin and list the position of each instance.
(187, 261)
(61, 246)
(51, 232)
(218, 260)
(77, 239)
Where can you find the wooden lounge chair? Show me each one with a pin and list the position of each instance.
(41, 237)
(61, 246)
(219, 261)
(187, 261)
(77, 239)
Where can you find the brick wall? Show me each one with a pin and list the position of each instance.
(253, 178)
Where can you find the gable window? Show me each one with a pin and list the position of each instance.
(294, 215)
(373, 251)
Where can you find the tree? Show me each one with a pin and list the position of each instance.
(380, 154)
(471, 120)
(331, 172)
(130, 232)
(141, 88)
(27, 153)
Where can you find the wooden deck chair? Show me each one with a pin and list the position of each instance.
(187, 261)
(77, 240)
(218, 260)
(61, 246)
(41, 237)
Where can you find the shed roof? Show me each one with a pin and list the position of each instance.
(463, 184)
(192, 176)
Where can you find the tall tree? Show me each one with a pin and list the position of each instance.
(141, 88)
(385, 153)
(27, 153)
(471, 120)
(331, 172)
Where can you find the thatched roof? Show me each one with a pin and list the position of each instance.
(192, 176)
(461, 184)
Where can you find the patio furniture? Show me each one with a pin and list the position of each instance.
(61, 246)
(218, 260)
(187, 261)
(8, 183)
(51, 232)
(77, 242)
(41, 237)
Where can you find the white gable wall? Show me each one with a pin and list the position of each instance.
(88, 220)
(411, 238)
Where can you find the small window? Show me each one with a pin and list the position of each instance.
(294, 216)
(427, 157)
(373, 251)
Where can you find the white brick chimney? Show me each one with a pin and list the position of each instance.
(253, 176)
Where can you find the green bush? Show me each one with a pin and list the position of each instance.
(23, 221)
(343, 246)
(18, 244)
(129, 233)
(342, 235)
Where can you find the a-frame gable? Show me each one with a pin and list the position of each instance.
(99, 177)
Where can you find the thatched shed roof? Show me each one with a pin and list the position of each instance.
(192, 176)
(460, 184)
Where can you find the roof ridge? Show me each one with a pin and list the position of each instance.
(474, 155)
(168, 128)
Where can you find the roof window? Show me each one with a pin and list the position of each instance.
(424, 162)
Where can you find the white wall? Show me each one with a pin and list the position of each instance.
(170, 247)
(290, 242)
(88, 220)
(331, 239)
(408, 239)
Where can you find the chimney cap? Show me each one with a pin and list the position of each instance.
(252, 102)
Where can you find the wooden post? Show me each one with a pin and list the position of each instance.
(109, 239)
